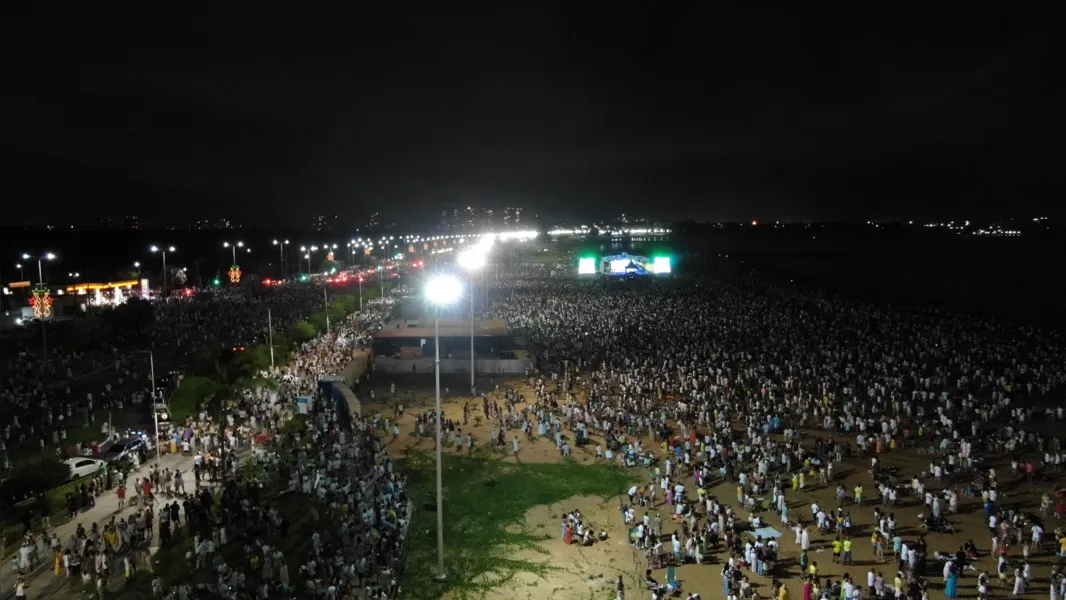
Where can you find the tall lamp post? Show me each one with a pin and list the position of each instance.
(307, 254)
(281, 251)
(21, 274)
(233, 264)
(472, 261)
(163, 287)
(155, 399)
(40, 280)
(440, 291)
(234, 248)
(39, 259)
(137, 265)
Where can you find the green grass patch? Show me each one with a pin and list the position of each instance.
(485, 504)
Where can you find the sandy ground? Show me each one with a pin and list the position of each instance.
(590, 573)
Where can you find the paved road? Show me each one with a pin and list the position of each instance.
(44, 583)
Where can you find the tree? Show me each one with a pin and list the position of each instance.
(300, 332)
(30, 480)
(318, 321)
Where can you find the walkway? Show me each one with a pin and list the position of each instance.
(42, 581)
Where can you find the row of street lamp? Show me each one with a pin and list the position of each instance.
(233, 246)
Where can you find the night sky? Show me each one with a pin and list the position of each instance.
(669, 111)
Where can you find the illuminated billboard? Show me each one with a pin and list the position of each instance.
(625, 264)
(586, 266)
(661, 265)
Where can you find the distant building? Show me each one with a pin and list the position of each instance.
(327, 222)
(214, 224)
(512, 216)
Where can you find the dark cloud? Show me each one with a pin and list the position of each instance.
(697, 112)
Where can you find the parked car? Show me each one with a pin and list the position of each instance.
(83, 467)
(123, 448)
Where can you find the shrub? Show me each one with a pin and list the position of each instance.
(190, 394)
(318, 321)
(300, 332)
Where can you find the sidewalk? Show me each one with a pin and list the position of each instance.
(42, 581)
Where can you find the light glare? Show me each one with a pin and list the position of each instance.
(443, 290)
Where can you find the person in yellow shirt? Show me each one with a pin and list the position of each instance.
(782, 593)
(847, 551)
(813, 570)
(1062, 547)
(837, 547)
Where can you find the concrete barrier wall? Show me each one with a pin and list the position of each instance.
(485, 366)
(355, 369)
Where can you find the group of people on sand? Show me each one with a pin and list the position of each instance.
(773, 389)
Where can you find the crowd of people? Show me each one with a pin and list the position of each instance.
(43, 398)
(769, 388)
(227, 509)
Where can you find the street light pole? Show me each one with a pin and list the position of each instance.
(325, 300)
(359, 278)
(270, 339)
(440, 291)
(281, 253)
(40, 279)
(472, 261)
(155, 415)
(234, 248)
(440, 493)
(473, 363)
(163, 251)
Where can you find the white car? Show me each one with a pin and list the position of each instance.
(82, 467)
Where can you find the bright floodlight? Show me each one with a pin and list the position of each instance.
(154, 248)
(50, 256)
(443, 289)
(472, 260)
(26, 256)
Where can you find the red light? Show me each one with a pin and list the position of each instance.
(266, 281)
(188, 292)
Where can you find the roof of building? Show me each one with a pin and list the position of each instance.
(448, 328)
